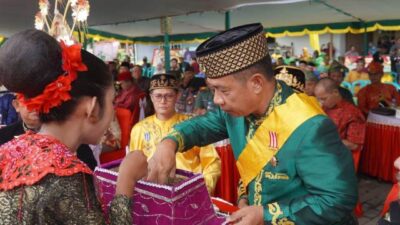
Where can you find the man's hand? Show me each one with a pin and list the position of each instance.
(350, 145)
(132, 169)
(250, 215)
(243, 203)
(162, 165)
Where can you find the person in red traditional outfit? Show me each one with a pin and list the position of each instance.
(29, 121)
(349, 120)
(195, 65)
(128, 96)
(371, 95)
(347, 117)
(42, 181)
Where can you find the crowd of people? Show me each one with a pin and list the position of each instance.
(366, 97)
(296, 133)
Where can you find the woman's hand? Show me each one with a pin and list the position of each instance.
(132, 169)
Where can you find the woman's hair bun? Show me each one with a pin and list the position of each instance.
(29, 60)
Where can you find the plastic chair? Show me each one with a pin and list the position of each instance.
(360, 84)
(150, 71)
(347, 85)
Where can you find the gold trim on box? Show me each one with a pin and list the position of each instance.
(234, 58)
(166, 199)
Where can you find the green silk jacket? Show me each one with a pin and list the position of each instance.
(311, 179)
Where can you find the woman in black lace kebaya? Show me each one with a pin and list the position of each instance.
(42, 181)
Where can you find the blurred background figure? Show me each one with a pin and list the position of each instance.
(8, 115)
(376, 93)
(311, 81)
(124, 67)
(337, 73)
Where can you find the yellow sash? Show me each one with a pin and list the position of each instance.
(279, 125)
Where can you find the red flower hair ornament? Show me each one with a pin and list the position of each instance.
(58, 91)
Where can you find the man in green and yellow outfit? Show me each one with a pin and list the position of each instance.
(289, 154)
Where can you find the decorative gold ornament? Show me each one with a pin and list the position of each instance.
(163, 81)
(57, 26)
(290, 79)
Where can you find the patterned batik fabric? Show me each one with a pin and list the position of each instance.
(349, 120)
(30, 157)
(42, 183)
(60, 200)
(370, 96)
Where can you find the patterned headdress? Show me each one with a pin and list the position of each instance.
(292, 76)
(167, 81)
(58, 91)
(232, 50)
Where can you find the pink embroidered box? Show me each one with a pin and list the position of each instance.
(184, 203)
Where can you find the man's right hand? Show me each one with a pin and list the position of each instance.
(250, 215)
(243, 203)
(162, 165)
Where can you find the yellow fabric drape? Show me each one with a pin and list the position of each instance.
(258, 151)
(97, 37)
(327, 29)
(314, 41)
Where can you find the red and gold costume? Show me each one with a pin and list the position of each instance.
(43, 182)
(370, 96)
(349, 121)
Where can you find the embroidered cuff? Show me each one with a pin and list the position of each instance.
(274, 214)
(178, 138)
(241, 191)
(120, 210)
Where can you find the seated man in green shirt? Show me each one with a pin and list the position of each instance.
(204, 101)
(288, 152)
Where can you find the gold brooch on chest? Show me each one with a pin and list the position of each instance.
(274, 161)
